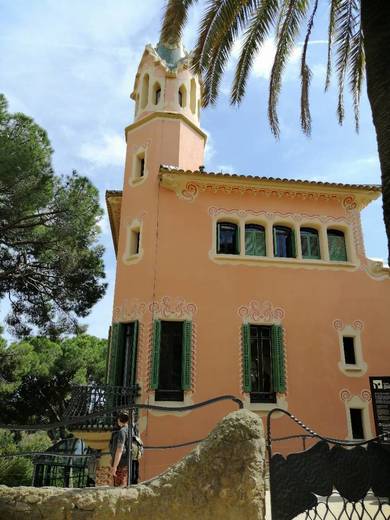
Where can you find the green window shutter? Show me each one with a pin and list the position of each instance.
(278, 367)
(246, 357)
(187, 356)
(275, 242)
(108, 357)
(134, 349)
(250, 242)
(115, 353)
(155, 368)
(238, 245)
(293, 245)
(337, 250)
(255, 241)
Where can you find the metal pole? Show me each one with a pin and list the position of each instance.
(129, 445)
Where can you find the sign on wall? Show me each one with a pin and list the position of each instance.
(380, 394)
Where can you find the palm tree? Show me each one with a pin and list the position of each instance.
(358, 36)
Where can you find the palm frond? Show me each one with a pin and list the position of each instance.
(175, 18)
(357, 70)
(296, 11)
(306, 77)
(334, 5)
(344, 30)
(222, 20)
(254, 37)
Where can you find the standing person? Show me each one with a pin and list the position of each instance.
(118, 450)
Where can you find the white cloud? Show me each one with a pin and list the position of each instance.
(226, 168)
(109, 151)
(209, 150)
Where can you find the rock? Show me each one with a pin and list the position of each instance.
(222, 478)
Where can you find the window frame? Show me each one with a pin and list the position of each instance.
(310, 232)
(290, 248)
(237, 243)
(332, 231)
(259, 227)
(175, 394)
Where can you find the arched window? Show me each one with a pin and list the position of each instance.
(284, 242)
(310, 243)
(145, 91)
(193, 96)
(228, 238)
(182, 96)
(255, 240)
(336, 244)
(156, 93)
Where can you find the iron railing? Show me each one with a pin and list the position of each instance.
(102, 402)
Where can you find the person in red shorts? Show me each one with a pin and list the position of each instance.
(118, 450)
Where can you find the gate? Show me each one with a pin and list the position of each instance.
(329, 480)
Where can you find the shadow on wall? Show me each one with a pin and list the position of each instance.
(223, 478)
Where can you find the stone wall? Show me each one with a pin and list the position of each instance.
(222, 478)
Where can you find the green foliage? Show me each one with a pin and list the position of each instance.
(223, 22)
(18, 471)
(50, 265)
(36, 376)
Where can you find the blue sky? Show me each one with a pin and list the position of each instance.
(70, 65)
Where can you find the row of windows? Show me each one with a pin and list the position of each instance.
(284, 243)
(156, 94)
(262, 349)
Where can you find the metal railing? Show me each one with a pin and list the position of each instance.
(99, 402)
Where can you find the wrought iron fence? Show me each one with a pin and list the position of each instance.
(332, 479)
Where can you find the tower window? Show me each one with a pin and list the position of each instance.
(156, 93)
(134, 241)
(336, 243)
(349, 350)
(193, 96)
(356, 415)
(284, 242)
(228, 238)
(182, 96)
(140, 165)
(145, 91)
(310, 243)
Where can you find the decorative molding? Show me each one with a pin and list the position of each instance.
(172, 308)
(130, 310)
(261, 312)
(271, 216)
(338, 324)
(365, 394)
(345, 394)
(377, 270)
(243, 185)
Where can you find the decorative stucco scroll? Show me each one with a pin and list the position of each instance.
(261, 311)
(130, 310)
(339, 324)
(345, 394)
(173, 308)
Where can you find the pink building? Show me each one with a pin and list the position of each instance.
(233, 284)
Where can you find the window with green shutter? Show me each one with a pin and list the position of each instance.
(122, 365)
(171, 360)
(116, 354)
(186, 356)
(246, 358)
(310, 243)
(228, 238)
(336, 244)
(155, 368)
(284, 242)
(278, 365)
(255, 240)
(263, 362)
